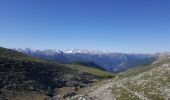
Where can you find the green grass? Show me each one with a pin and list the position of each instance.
(96, 72)
(135, 71)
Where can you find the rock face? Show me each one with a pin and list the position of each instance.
(112, 62)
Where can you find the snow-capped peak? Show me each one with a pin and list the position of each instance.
(56, 51)
(52, 51)
(85, 51)
(26, 50)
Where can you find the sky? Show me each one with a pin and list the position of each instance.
(111, 25)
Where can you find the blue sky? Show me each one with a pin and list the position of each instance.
(113, 25)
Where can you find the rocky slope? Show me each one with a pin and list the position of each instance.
(149, 85)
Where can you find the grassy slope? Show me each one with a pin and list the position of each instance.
(93, 71)
(141, 69)
(152, 82)
(135, 71)
(88, 64)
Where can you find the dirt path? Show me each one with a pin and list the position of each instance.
(101, 92)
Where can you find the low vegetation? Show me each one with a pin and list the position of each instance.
(152, 83)
(26, 78)
(92, 71)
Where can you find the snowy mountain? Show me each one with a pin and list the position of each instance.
(84, 51)
(113, 62)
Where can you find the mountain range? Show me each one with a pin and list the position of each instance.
(109, 61)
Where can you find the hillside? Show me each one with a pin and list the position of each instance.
(26, 78)
(151, 82)
(89, 64)
(91, 70)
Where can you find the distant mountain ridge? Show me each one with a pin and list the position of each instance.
(112, 62)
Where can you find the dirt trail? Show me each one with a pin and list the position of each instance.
(101, 92)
